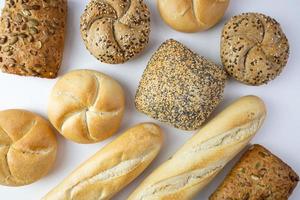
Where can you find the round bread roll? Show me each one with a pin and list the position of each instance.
(114, 31)
(192, 16)
(27, 147)
(254, 49)
(86, 106)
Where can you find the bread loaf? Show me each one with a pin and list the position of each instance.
(258, 175)
(32, 37)
(86, 106)
(179, 87)
(254, 49)
(115, 31)
(113, 167)
(192, 16)
(27, 147)
(200, 159)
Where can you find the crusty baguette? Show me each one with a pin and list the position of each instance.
(113, 167)
(200, 159)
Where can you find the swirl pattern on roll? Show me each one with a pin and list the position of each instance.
(254, 49)
(86, 106)
(27, 147)
(114, 31)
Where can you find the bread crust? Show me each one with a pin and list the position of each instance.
(113, 167)
(28, 147)
(32, 35)
(192, 15)
(202, 157)
(86, 106)
(254, 48)
(179, 87)
(258, 175)
(115, 31)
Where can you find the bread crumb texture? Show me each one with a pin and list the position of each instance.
(180, 87)
(254, 49)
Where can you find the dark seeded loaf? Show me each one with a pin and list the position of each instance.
(259, 175)
(32, 37)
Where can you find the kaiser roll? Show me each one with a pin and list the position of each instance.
(114, 31)
(27, 147)
(192, 16)
(86, 106)
(254, 49)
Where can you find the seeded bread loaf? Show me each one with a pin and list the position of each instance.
(32, 37)
(115, 31)
(27, 147)
(192, 16)
(258, 175)
(254, 49)
(201, 158)
(113, 167)
(86, 106)
(179, 87)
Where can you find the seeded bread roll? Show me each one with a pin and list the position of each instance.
(115, 31)
(258, 175)
(32, 37)
(254, 49)
(179, 87)
(201, 158)
(27, 147)
(86, 106)
(113, 167)
(192, 16)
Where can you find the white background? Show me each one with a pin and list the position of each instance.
(280, 133)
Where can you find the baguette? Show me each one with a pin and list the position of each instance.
(113, 167)
(200, 159)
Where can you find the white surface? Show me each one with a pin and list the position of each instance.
(280, 132)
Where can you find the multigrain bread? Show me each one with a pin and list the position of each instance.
(254, 49)
(27, 147)
(32, 37)
(201, 158)
(86, 106)
(115, 31)
(179, 87)
(113, 167)
(192, 16)
(258, 175)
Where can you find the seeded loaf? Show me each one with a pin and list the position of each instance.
(202, 157)
(27, 147)
(258, 175)
(32, 37)
(113, 167)
(254, 49)
(115, 31)
(86, 106)
(179, 87)
(192, 16)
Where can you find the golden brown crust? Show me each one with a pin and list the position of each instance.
(113, 167)
(258, 175)
(27, 147)
(179, 87)
(32, 37)
(254, 49)
(86, 106)
(202, 157)
(115, 31)
(192, 15)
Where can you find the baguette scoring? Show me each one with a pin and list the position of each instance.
(205, 154)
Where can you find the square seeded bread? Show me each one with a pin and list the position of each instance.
(179, 87)
(259, 175)
(32, 37)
